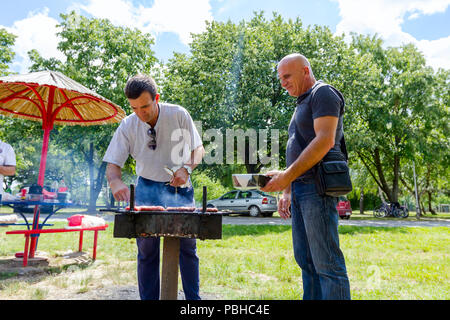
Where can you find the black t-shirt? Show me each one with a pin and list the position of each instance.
(319, 101)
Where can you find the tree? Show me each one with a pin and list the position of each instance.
(102, 57)
(431, 148)
(6, 57)
(396, 112)
(6, 53)
(229, 79)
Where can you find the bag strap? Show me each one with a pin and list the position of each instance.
(300, 137)
(344, 147)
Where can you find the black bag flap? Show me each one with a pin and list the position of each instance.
(335, 166)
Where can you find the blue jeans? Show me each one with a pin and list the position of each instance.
(154, 193)
(316, 244)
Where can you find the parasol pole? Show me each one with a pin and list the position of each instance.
(36, 211)
(47, 126)
(44, 151)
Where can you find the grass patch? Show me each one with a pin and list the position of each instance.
(256, 262)
(252, 262)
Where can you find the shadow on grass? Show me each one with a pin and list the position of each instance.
(229, 231)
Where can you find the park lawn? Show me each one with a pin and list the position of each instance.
(256, 262)
(252, 262)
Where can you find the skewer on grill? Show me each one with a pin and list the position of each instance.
(131, 197)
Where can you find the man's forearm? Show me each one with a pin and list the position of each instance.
(287, 191)
(114, 176)
(196, 157)
(325, 129)
(312, 154)
(8, 170)
(113, 173)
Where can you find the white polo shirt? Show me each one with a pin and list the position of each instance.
(176, 138)
(7, 158)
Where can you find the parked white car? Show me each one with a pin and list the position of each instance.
(253, 202)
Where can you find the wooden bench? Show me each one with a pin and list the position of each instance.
(29, 233)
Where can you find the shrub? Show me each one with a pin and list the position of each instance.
(215, 188)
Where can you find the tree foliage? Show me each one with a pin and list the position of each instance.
(392, 123)
(396, 106)
(102, 57)
(6, 53)
(229, 79)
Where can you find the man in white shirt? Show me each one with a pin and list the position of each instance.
(157, 135)
(7, 166)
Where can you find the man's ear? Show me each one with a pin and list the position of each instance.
(157, 97)
(306, 70)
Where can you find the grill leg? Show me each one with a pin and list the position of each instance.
(169, 279)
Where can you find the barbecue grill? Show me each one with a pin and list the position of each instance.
(172, 225)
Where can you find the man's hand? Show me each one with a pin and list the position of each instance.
(180, 177)
(284, 206)
(279, 181)
(120, 190)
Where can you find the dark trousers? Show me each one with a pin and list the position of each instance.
(154, 193)
(316, 244)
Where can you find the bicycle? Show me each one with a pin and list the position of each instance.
(393, 209)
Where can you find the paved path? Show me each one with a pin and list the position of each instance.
(350, 222)
(396, 223)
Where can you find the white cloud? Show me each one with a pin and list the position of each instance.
(413, 16)
(36, 31)
(385, 18)
(437, 52)
(119, 12)
(178, 16)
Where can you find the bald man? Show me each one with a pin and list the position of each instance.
(316, 128)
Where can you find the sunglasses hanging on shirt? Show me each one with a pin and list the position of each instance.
(152, 134)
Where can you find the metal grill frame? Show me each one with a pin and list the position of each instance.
(198, 224)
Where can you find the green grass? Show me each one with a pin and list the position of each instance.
(255, 262)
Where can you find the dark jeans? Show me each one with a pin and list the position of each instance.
(150, 192)
(316, 244)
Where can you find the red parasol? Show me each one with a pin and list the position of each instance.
(53, 98)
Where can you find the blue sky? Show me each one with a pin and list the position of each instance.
(426, 23)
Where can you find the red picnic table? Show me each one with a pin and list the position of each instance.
(29, 233)
(37, 228)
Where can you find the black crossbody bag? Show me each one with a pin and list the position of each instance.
(331, 174)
